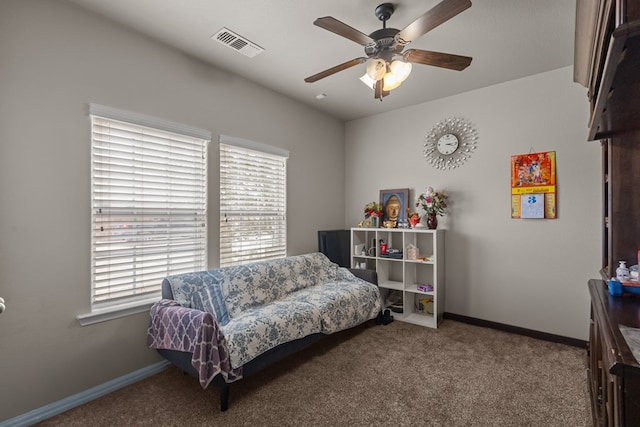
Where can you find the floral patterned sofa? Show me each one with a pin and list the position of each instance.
(224, 324)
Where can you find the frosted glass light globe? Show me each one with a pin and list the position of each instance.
(401, 70)
(390, 82)
(376, 69)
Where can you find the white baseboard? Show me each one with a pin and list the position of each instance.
(55, 408)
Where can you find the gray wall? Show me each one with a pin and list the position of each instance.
(56, 58)
(528, 273)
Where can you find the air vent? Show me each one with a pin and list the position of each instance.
(237, 42)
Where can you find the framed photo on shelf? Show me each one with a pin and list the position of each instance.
(394, 205)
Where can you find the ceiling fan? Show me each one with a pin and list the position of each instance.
(387, 64)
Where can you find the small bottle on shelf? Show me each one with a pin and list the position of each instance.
(622, 272)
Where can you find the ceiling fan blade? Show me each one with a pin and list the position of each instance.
(333, 70)
(340, 28)
(435, 16)
(437, 59)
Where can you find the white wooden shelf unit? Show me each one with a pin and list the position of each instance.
(403, 274)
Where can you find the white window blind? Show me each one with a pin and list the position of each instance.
(253, 202)
(148, 208)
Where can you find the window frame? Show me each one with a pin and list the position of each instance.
(118, 307)
(267, 156)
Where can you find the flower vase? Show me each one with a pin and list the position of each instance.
(432, 221)
(374, 222)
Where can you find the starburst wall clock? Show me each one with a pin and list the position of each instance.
(450, 143)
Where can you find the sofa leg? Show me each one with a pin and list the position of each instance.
(224, 397)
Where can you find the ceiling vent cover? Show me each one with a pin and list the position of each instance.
(237, 42)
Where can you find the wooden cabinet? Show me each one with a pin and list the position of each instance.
(607, 59)
(607, 63)
(401, 274)
(614, 373)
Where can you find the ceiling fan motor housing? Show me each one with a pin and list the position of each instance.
(386, 44)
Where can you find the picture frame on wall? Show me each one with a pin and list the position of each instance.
(394, 206)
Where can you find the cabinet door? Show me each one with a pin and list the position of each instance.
(631, 401)
(623, 231)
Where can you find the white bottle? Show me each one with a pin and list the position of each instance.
(622, 272)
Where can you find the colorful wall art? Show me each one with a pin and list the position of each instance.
(533, 185)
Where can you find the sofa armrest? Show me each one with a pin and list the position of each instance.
(173, 327)
(370, 276)
(167, 292)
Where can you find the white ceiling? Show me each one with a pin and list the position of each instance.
(508, 39)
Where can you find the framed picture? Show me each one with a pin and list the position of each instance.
(394, 204)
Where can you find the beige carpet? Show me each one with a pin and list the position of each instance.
(394, 375)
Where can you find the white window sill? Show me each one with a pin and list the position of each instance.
(116, 311)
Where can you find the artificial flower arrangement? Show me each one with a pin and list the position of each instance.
(413, 217)
(432, 202)
(373, 209)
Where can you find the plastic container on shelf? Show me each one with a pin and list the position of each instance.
(615, 287)
(618, 288)
(412, 252)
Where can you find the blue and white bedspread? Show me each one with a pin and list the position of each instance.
(326, 308)
(173, 327)
(261, 305)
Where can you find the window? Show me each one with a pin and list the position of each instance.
(253, 201)
(148, 186)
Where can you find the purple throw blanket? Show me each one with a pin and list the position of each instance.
(174, 327)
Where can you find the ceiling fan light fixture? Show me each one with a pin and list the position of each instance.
(383, 73)
(376, 68)
(390, 82)
(401, 69)
(393, 75)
